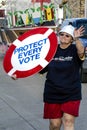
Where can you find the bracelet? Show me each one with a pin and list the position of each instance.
(76, 38)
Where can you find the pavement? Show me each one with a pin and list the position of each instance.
(21, 103)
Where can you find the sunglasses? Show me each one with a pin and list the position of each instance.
(66, 35)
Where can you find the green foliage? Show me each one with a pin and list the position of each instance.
(33, 9)
(18, 12)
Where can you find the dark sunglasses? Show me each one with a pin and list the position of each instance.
(66, 35)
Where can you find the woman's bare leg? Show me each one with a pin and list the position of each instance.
(55, 124)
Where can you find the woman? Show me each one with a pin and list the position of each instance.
(62, 92)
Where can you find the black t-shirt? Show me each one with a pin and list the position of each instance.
(63, 79)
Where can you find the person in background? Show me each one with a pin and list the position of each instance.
(84, 41)
(62, 92)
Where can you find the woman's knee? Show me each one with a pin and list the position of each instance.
(55, 124)
(68, 120)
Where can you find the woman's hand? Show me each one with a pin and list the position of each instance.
(14, 77)
(79, 32)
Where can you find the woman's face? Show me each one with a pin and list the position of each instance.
(65, 38)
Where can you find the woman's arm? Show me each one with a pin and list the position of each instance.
(80, 48)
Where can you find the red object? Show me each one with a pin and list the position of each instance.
(41, 2)
(48, 1)
(2, 13)
(53, 111)
(11, 60)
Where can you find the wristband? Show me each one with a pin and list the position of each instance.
(76, 38)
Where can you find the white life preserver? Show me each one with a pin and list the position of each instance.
(31, 52)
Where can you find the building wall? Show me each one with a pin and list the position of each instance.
(77, 7)
(86, 8)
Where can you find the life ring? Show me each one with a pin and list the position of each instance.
(31, 52)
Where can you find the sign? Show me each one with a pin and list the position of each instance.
(31, 52)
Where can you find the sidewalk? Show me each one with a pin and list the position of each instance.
(21, 104)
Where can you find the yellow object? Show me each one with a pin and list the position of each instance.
(49, 14)
(27, 19)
